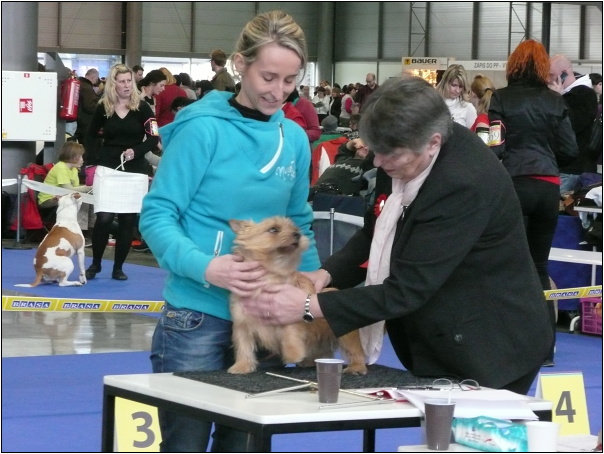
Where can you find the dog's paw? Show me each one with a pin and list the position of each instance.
(242, 368)
(83, 279)
(356, 369)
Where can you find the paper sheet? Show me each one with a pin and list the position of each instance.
(495, 403)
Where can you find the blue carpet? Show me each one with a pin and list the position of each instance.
(54, 403)
(145, 283)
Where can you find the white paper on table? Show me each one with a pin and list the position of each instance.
(494, 403)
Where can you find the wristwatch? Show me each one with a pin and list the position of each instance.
(307, 316)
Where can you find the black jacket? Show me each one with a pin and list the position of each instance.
(88, 100)
(536, 133)
(582, 103)
(463, 297)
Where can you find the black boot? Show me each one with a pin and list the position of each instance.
(92, 270)
(119, 275)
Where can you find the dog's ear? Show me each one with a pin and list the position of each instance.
(237, 225)
(76, 195)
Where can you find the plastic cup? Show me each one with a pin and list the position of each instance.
(542, 436)
(439, 422)
(329, 376)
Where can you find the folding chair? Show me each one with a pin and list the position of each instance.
(336, 219)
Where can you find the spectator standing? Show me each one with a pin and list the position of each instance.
(582, 102)
(138, 71)
(473, 309)
(87, 103)
(365, 90)
(321, 102)
(187, 85)
(347, 103)
(335, 107)
(163, 100)
(531, 133)
(481, 91)
(306, 93)
(454, 89)
(128, 128)
(197, 190)
(222, 80)
(151, 86)
(307, 110)
(203, 87)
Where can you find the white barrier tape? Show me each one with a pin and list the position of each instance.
(56, 190)
(43, 304)
(9, 182)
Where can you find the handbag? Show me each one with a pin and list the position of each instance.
(116, 191)
(595, 139)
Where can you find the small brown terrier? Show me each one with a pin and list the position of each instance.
(278, 244)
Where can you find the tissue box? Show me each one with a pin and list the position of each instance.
(489, 434)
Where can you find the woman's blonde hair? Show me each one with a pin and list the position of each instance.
(271, 27)
(109, 99)
(483, 88)
(170, 78)
(454, 72)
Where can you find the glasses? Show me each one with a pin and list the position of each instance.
(444, 384)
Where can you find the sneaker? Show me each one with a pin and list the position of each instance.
(548, 363)
(140, 247)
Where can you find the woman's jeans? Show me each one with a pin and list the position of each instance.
(540, 202)
(189, 340)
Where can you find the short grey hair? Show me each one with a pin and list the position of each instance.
(404, 113)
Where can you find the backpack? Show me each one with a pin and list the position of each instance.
(30, 215)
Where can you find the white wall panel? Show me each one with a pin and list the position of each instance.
(396, 29)
(91, 25)
(593, 30)
(451, 30)
(167, 26)
(493, 31)
(306, 16)
(565, 23)
(356, 31)
(218, 25)
(48, 20)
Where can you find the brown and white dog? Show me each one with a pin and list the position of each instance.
(277, 244)
(53, 259)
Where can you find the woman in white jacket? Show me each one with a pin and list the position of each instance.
(454, 88)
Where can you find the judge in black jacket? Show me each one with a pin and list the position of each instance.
(449, 266)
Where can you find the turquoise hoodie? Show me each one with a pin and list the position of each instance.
(218, 165)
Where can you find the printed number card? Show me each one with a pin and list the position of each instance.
(566, 391)
(137, 427)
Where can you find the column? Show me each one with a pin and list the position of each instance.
(19, 53)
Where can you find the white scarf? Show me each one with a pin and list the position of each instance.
(378, 269)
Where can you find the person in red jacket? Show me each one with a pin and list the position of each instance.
(163, 101)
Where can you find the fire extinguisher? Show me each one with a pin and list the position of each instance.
(70, 97)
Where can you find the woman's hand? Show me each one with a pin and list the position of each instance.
(320, 278)
(279, 305)
(128, 154)
(232, 273)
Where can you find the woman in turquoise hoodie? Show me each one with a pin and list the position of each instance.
(225, 157)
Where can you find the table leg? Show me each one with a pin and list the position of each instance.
(369, 440)
(108, 427)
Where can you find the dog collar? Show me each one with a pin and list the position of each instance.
(307, 316)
